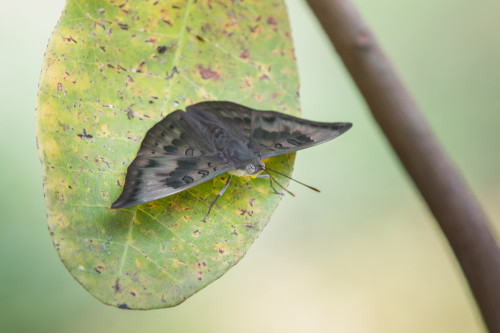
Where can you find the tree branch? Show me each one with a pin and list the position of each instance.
(458, 214)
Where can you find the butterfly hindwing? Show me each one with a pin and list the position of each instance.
(173, 157)
(157, 177)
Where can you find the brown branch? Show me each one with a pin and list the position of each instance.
(454, 208)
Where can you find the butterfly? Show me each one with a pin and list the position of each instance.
(188, 148)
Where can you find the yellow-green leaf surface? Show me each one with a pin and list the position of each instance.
(111, 71)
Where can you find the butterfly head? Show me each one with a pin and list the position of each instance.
(252, 167)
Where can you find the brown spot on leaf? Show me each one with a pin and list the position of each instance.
(255, 30)
(123, 26)
(161, 49)
(248, 82)
(138, 68)
(245, 54)
(207, 73)
(117, 285)
(271, 20)
(206, 28)
(70, 39)
(258, 97)
(167, 21)
(85, 135)
(171, 75)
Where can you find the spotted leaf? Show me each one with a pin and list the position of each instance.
(113, 70)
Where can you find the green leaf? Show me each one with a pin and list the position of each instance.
(111, 71)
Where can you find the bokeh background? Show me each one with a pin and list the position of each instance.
(365, 255)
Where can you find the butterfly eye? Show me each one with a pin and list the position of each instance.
(250, 168)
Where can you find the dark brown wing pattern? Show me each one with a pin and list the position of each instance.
(234, 118)
(268, 133)
(176, 135)
(173, 157)
(278, 134)
(154, 178)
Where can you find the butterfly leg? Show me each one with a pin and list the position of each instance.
(217, 197)
(271, 183)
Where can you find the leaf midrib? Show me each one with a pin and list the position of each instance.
(182, 34)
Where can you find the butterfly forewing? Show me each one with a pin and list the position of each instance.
(175, 135)
(278, 134)
(268, 133)
(173, 157)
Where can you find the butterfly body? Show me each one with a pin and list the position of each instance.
(251, 168)
(188, 148)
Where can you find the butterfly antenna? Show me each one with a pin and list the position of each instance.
(274, 179)
(301, 183)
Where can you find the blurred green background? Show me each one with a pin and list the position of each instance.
(363, 256)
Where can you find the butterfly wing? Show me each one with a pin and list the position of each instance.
(153, 178)
(172, 158)
(234, 118)
(176, 135)
(178, 153)
(269, 133)
(277, 133)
